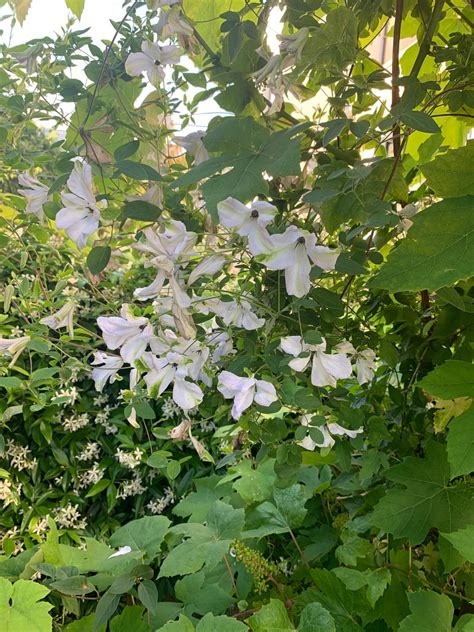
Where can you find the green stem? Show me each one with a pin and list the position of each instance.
(426, 42)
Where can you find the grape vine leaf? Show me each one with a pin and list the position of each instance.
(76, 6)
(145, 534)
(461, 444)
(430, 612)
(211, 623)
(463, 541)
(452, 379)
(438, 250)
(21, 608)
(452, 173)
(272, 616)
(246, 150)
(21, 9)
(426, 501)
(315, 618)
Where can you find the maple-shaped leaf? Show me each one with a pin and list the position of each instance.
(425, 498)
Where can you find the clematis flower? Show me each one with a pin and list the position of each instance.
(130, 333)
(238, 313)
(244, 391)
(327, 368)
(36, 194)
(172, 23)
(80, 215)
(193, 145)
(123, 550)
(327, 431)
(207, 267)
(13, 347)
(62, 318)
(364, 361)
(293, 251)
(106, 368)
(152, 60)
(249, 221)
(164, 371)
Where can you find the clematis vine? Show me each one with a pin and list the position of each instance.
(293, 251)
(326, 369)
(238, 313)
(36, 194)
(13, 347)
(172, 368)
(152, 60)
(129, 333)
(328, 431)
(80, 214)
(249, 221)
(364, 361)
(244, 391)
(106, 366)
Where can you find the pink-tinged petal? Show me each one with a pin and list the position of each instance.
(243, 400)
(187, 394)
(265, 393)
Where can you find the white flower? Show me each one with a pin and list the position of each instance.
(164, 371)
(35, 193)
(238, 313)
(130, 460)
(245, 390)
(62, 318)
(172, 23)
(123, 550)
(365, 365)
(327, 430)
(151, 60)
(364, 361)
(131, 333)
(13, 347)
(107, 366)
(326, 368)
(293, 251)
(249, 221)
(194, 146)
(207, 267)
(80, 215)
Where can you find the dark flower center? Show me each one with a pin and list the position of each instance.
(157, 63)
(254, 213)
(300, 240)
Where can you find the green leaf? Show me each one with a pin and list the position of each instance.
(98, 487)
(141, 210)
(76, 6)
(452, 174)
(461, 444)
(334, 43)
(106, 607)
(183, 624)
(254, 485)
(21, 608)
(148, 595)
(463, 541)
(450, 380)
(210, 623)
(248, 150)
(86, 624)
(438, 250)
(352, 548)
(145, 534)
(199, 595)
(430, 612)
(420, 121)
(427, 499)
(138, 171)
(126, 150)
(10, 382)
(225, 521)
(315, 618)
(272, 616)
(192, 555)
(98, 258)
(465, 624)
(291, 503)
(131, 618)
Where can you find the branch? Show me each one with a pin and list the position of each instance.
(396, 72)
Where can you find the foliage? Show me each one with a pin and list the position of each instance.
(262, 330)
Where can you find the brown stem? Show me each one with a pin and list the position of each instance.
(232, 578)
(396, 72)
(298, 548)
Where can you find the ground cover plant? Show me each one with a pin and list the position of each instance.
(236, 372)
